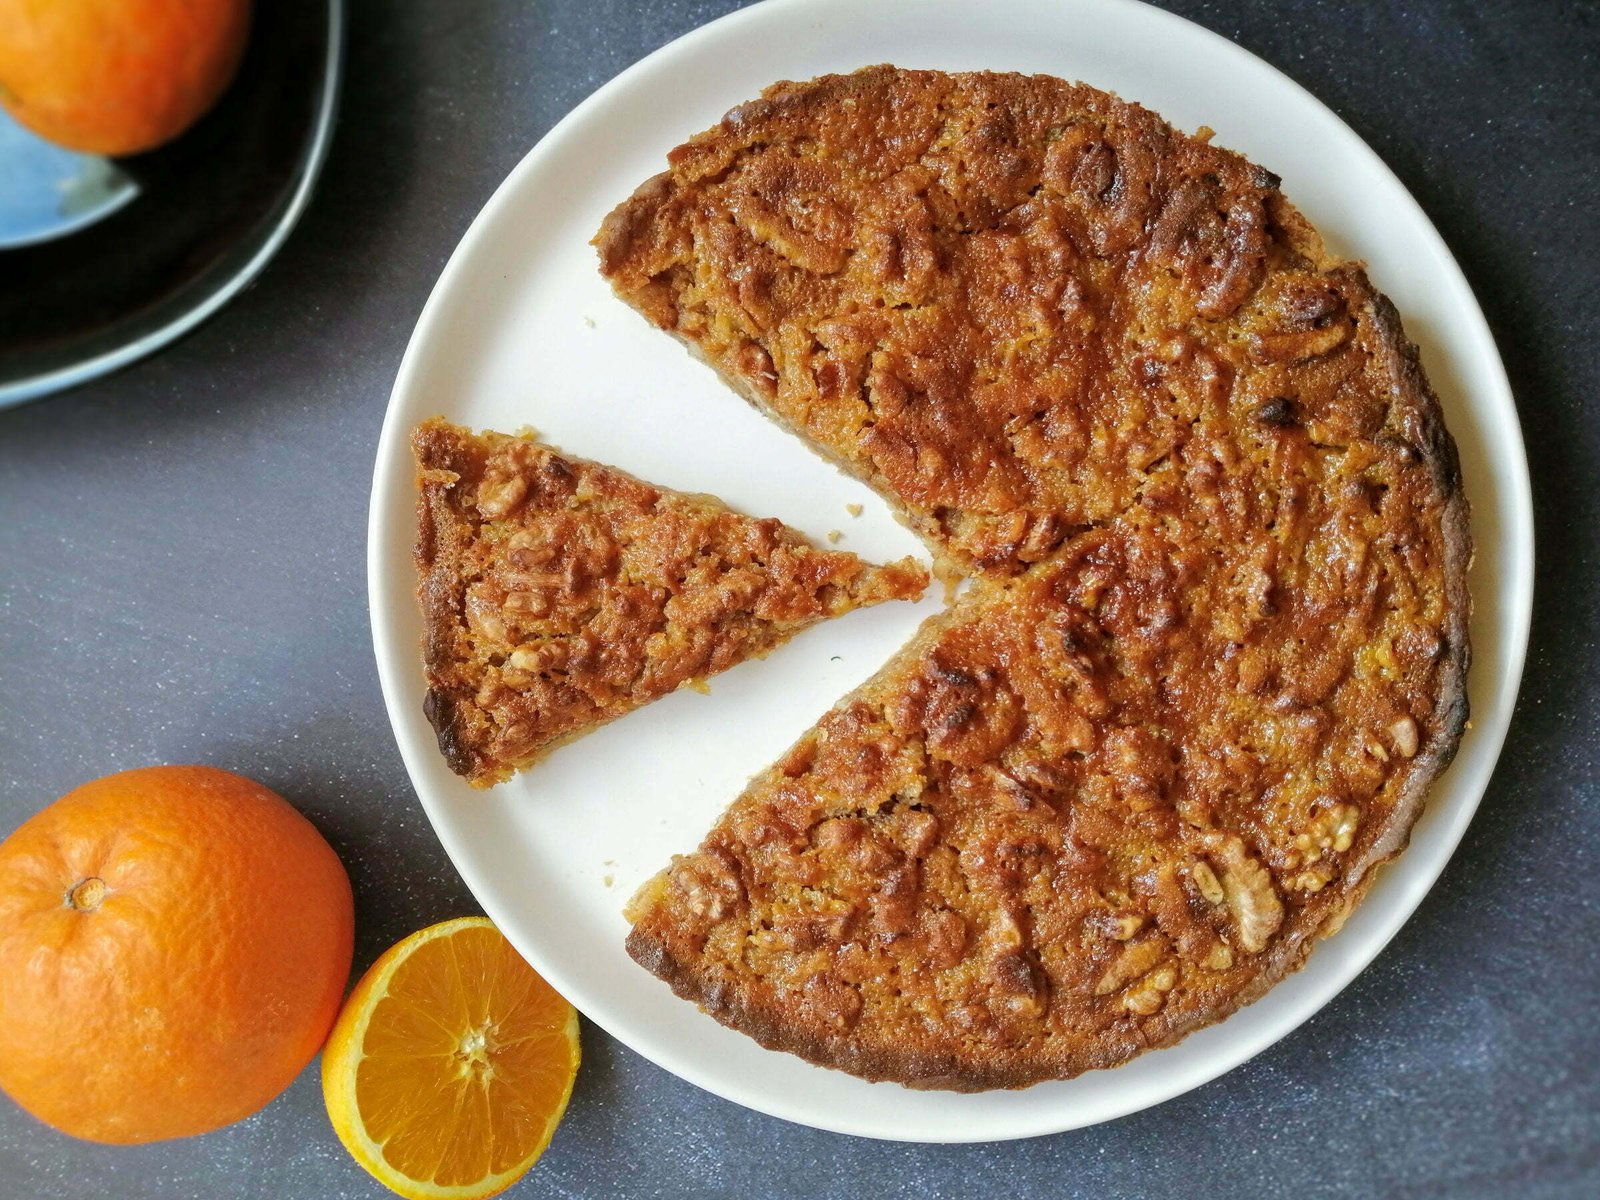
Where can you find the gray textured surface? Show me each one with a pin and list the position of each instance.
(181, 580)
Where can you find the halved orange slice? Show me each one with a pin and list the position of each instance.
(450, 1065)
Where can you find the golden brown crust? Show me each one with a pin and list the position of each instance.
(558, 594)
(1217, 647)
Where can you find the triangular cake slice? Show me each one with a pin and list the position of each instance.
(558, 594)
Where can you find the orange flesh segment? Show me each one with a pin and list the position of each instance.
(465, 1058)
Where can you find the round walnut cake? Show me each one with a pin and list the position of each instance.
(1212, 645)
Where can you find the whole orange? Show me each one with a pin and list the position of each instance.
(117, 76)
(174, 944)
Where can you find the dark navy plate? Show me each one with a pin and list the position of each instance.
(104, 261)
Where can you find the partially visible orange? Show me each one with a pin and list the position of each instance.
(117, 76)
(451, 1064)
(174, 942)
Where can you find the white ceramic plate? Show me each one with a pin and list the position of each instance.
(521, 331)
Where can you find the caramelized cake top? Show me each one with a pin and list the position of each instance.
(558, 594)
(1097, 804)
(999, 299)
(1215, 646)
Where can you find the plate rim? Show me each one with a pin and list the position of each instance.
(1513, 630)
(47, 383)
